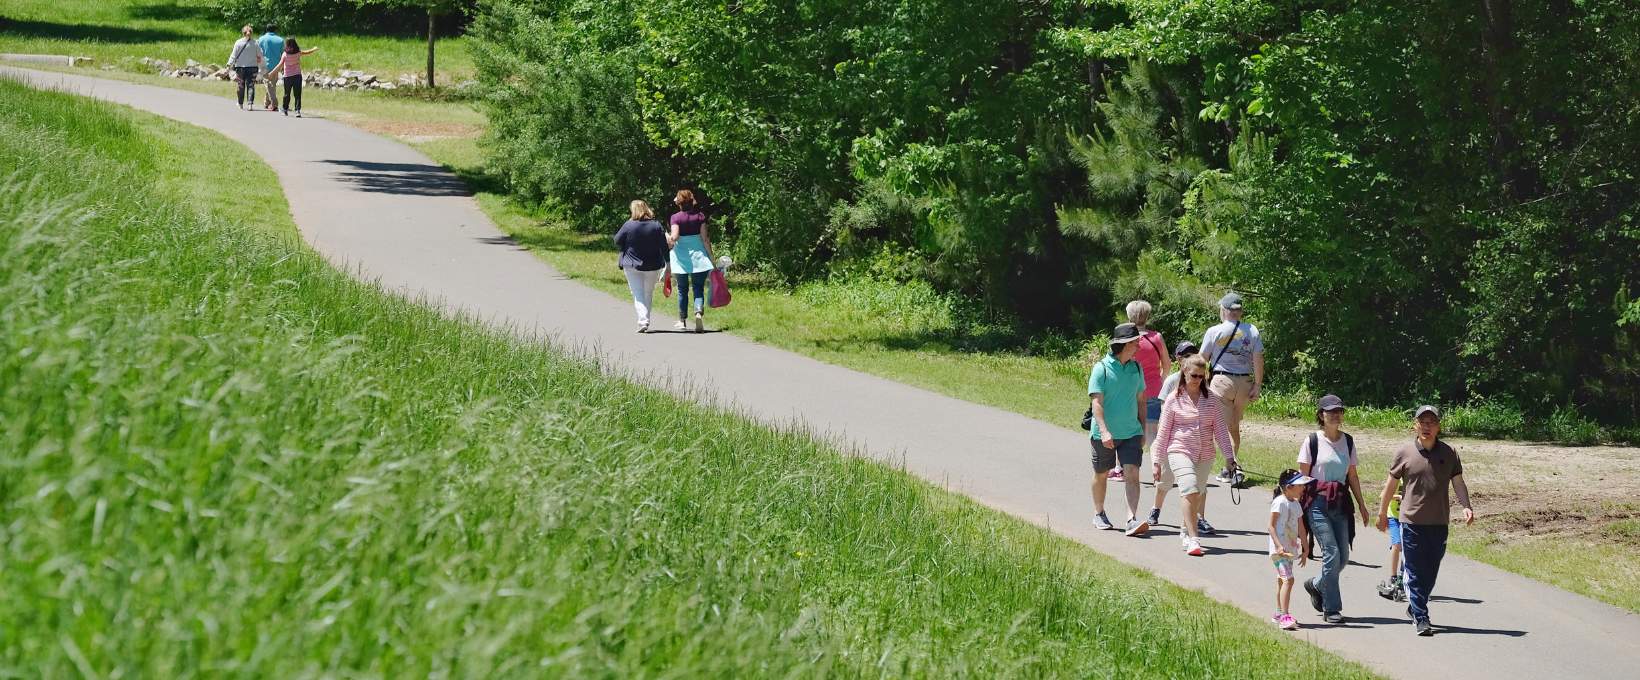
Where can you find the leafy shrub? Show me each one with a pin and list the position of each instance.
(1489, 418)
(565, 124)
(1567, 426)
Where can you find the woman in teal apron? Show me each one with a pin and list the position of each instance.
(691, 260)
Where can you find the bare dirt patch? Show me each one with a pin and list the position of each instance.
(1520, 490)
(418, 131)
(1522, 516)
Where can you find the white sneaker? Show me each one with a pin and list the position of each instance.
(700, 324)
(680, 326)
(1193, 548)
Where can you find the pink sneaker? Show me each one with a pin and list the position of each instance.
(1276, 618)
(1116, 475)
(1288, 622)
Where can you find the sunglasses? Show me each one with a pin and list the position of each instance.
(1196, 376)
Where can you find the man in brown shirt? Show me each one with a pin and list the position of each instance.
(1426, 466)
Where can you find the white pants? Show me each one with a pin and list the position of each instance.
(642, 284)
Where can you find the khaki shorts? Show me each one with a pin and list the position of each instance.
(1235, 392)
(1190, 475)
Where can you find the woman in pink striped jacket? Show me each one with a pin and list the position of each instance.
(1192, 422)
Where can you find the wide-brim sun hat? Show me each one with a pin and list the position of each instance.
(1124, 334)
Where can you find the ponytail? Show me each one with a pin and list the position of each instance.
(1287, 475)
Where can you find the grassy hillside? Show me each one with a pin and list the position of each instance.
(224, 457)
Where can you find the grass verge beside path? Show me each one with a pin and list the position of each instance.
(223, 456)
(122, 31)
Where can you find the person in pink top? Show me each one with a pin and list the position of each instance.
(292, 65)
(1154, 363)
(1192, 422)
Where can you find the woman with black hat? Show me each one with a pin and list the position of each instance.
(1116, 398)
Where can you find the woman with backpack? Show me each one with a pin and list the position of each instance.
(1328, 455)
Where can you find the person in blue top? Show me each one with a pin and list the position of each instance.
(1116, 392)
(273, 49)
(642, 241)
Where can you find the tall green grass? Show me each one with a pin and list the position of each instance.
(222, 457)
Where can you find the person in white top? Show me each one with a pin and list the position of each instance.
(246, 60)
(1287, 539)
(1328, 455)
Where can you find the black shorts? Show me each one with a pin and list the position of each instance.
(1128, 451)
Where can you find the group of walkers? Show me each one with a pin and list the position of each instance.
(1182, 418)
(268, 59)
(683, 250)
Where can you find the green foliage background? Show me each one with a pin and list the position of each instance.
(1422, 200)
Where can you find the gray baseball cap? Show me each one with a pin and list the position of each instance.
(1231, 301)
(1426, 408)
(1330, 402)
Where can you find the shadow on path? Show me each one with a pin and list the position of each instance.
(1444, 630)
(412, 179)
(501, 241)
(173, 12)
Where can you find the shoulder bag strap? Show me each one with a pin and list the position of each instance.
(1226, 346)
(1153, 346)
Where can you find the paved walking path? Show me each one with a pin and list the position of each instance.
(377, 208)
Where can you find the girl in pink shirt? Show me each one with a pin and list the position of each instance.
(292, 64)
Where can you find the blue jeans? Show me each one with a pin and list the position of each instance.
(1422, 548)
(1332, 533)
(699, 281)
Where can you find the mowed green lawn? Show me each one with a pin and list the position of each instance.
(121, 31)
(222, 457)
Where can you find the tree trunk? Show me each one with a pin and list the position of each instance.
(1498, 54)
(431, 37)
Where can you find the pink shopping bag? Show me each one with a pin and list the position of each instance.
(720, 289)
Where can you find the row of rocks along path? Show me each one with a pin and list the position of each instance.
(383, 211)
